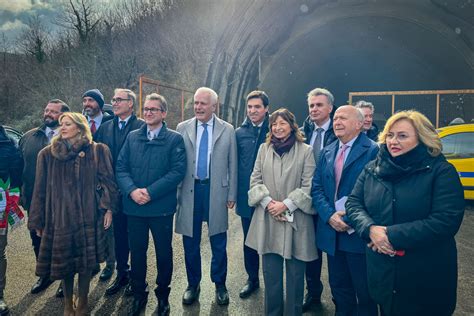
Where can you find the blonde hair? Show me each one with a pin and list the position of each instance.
(81, 122)
(286, 115)
(425, 131)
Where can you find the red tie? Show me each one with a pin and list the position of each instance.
(93, 128)
(339, 165)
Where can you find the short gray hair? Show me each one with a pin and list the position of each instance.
(158, 97)
(212, 94)
(365, 104)
(129, 93)
(360, 115)
(321, 91)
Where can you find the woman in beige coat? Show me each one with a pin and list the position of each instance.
(282, 229)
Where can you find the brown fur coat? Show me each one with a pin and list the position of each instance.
(64, 206)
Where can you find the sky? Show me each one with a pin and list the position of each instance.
(14, 15)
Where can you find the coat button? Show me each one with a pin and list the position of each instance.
(394, 291)
(394, 200)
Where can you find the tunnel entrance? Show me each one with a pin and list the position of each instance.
(363, 54)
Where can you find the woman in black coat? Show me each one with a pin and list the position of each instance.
(408, 204)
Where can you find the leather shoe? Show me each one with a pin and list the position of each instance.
(163, 307)
(309, 301)
(248, 289)
(191, 294)
(119, 282)
(41, 285)
(222, 296)
(60, 291)
(137, 305)
(4, 310)
(106, 273)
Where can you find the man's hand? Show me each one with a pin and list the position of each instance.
(39, 232)
(337, 222)
(107, 219)
(140, 196)
(230, 204)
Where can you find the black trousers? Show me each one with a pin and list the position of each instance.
(36, 242)
(251, 258)
(161, 228)
(122, 248)
(313, 271)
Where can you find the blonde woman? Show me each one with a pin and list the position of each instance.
(408, 204)
(72, 204)
(282, 229)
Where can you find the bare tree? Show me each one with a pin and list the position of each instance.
(34, 40)
(82, 17)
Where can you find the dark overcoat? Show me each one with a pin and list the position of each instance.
(68, 210)
(422, 207)
(248, 143)
(30, 145)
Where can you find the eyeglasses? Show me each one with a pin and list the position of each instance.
(118, 100)
(400, 137)
(152, 110)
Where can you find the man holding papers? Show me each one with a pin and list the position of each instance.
(340, 163)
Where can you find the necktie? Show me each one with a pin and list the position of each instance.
(339, 165)
(122, 124)
(93, 127)
(50, 135)
(317, 143)
(202, 159)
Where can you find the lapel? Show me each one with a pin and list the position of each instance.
(358, 149)
(190, 130)
(217, 132)
(330, 155)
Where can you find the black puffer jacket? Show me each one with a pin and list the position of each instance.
(11, 162)
(419, 198)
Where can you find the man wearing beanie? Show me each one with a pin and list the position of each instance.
(92, 104)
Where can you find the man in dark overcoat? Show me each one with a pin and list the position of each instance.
(250, 136)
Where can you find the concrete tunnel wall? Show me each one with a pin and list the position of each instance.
(288, 48)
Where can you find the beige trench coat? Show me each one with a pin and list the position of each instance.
(287, 177)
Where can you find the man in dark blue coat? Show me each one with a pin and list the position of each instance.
(150, 166)
(318, 132)
(340, 163)
(369, 128)
(113, 133)
(250, 136)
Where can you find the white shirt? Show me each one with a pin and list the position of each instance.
(200, 130)
(325, 127)
(153, 132)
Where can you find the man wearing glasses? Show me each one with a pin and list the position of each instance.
(113, 133)
(150, 166)
(92, 105)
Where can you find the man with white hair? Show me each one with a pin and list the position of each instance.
(207, 191)
(340, 163)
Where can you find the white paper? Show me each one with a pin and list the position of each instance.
(341, 206)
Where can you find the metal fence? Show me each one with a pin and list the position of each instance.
(440, 106)
(180, 100)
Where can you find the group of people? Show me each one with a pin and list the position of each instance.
(385, 213)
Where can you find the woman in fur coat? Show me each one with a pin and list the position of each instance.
(72, 204)
(282, 229)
